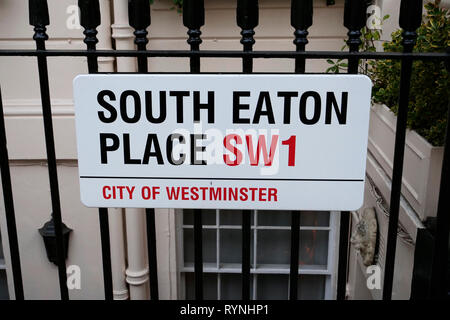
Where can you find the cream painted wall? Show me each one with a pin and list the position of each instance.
(33, 208)
(20, 89)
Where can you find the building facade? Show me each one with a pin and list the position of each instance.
(174, 228)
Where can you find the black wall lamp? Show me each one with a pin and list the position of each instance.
(331, 2)
(49, 235)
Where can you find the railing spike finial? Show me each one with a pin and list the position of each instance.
(354, 20)
(39, 18)
(247, 14)
(247, 18)
(139, 17)
(301, 20)
(410, 19)
(194, 19)
(90, 20)
(193, 14)
(38, 10)
(301, 14)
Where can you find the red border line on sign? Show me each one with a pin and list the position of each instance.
(232, 179)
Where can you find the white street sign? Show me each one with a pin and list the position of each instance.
(284, 142)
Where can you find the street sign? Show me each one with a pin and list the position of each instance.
(280, 142)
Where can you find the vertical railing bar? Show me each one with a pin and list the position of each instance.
(53, 177)
(410, 20)
(255, 238)
(9, 209)
(39, 19)
(140, 20)
(106, 253)
(439, 276)
(194, 19)
(152, 254)
(440, 259)
(247, 17)
(343, 255)
(295, 246)
(90, 20)
(255, 252)
(246, 251)
(301, 20)
(354, 20)
(198, 254)
(219, 279)
(399, 149)
(218, 238)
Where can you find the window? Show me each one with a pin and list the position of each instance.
(3, 283)
(270, 254)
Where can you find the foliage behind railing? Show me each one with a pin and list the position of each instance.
(428, 100)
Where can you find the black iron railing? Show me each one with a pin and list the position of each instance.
(247, 20)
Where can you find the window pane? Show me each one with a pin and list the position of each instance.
(231, 246)
(272, 286)
(208, 216)
(274, 218)
(209, 286)
(313, 247)
(233, 217)
(283, 218)
(311, 287)
(231, 286)
(315, 218)
(273, 247)
(209, 245)
(230, 217)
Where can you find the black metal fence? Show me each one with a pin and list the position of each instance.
(247, 19)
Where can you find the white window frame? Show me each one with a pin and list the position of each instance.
(214, 268)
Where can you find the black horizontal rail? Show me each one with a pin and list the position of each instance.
(230, 54)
